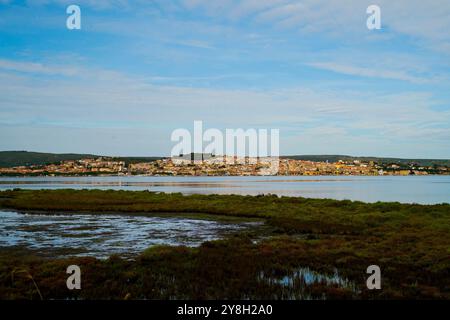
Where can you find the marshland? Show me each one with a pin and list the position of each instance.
(253, 247)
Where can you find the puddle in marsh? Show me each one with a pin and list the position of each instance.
(103, 235)
(297, 284)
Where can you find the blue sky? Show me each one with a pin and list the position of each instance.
(137, 70)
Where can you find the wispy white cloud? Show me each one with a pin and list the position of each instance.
(427, 21)
(96, 4)
(32, 67)
(368, 72)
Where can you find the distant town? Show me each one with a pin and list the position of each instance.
(210, 165)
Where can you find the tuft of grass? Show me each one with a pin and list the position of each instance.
(27, 274)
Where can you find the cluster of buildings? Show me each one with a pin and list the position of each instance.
(351, 168)
(71, 167)
(208, 165)
(233, 166)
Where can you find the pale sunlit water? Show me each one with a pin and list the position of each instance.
(103, 235)
(405, 189)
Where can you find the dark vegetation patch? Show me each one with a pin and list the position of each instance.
(226, 269)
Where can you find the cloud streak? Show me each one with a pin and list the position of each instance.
(368, 72)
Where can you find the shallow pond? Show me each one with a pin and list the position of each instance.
(298, 283)
(102, 235)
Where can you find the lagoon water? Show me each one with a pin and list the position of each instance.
(103, 235)
(406, 189)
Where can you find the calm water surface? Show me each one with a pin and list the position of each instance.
(103, 235)
(408, 189)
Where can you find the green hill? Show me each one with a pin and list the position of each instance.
(380, 160)
(24, 158)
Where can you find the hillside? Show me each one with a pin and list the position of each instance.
(129, 160)
(24, 158)
(380, 160)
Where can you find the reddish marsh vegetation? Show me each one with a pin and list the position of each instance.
(410, 243)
